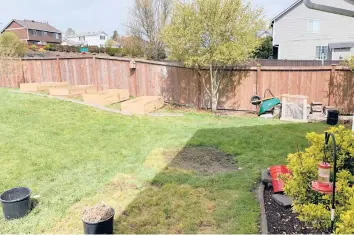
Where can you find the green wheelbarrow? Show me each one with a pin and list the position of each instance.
(266, 104)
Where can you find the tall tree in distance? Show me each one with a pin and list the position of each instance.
(148, 18)
(11, 50)
(69, 32)
(265, 50)
(115, 36)
(213, 34)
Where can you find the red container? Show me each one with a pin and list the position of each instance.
(275, 172)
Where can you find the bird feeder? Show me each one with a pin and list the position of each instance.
(323, 184)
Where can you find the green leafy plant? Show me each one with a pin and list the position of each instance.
(93, 49)
(349, 63)
(11, 46)
(33, 47)
(213, 34)
(114, 51)
(313, 207)
(50, 47)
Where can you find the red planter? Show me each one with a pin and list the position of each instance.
(275, 172)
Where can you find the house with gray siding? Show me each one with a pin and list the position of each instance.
(300, 33)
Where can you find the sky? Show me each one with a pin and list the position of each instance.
(93, 15)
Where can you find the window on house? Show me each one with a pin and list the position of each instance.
(45, 34)
(103, 37)
(33, 32)
(82, 38)
(313, 26)
(321, 52)
(56, 35)
(39, 33)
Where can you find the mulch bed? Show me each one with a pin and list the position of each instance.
(282, 220)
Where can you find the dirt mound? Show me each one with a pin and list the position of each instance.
(204, 160)
(98, 213)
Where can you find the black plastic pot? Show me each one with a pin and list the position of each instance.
(332, 117)
(103, 227)
(16, 203)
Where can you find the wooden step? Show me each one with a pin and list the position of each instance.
(143, 105)
(106, 97)
(43, 86)
(72, 91)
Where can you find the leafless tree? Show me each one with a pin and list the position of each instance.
(147, 19)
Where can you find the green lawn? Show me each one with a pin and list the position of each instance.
(73, 156)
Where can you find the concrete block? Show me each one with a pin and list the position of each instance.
(266, 178)
(282, 200)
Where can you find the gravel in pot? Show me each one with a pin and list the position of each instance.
(98, 219)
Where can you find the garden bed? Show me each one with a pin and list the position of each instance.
(282, 220)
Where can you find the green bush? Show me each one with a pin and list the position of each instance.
(66, 48)
(102, 50)
(50, 47)
(72, 48)
(313, 207)
(93, 49)
(11, 45)
(33, 47)
(114, 51)
(60, 48)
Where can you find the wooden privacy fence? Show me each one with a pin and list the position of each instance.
(330, 85)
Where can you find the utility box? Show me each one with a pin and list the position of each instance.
(294, 108)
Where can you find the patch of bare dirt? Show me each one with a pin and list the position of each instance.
(204, 160)
(98, 213)
(231, 113)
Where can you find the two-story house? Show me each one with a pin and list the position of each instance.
(34, 32)
(89, 39)
(300, 33)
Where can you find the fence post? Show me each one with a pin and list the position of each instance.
(331, 83)
(22, 72)
(59, 70)
(95, 70)
(259, 80)
(133, 84)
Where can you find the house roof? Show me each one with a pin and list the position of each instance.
(286, 10)
(262, 32)
(87, 34)
(31, 24)
(341, 45)
(73, 43)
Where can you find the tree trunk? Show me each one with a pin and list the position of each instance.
(214, 92)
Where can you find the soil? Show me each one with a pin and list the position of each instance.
(98, 213)
(347, 123)
(282, 220)
(218, 113)
(204, 160)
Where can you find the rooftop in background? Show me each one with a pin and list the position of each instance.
(264, 33)
(87, 34)
(31, 24)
